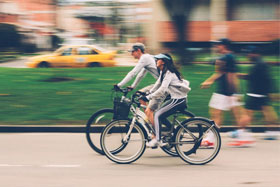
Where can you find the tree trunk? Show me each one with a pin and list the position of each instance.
(179, 12)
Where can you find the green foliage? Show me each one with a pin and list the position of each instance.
(27, 97)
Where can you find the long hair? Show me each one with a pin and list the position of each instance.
(169, 65)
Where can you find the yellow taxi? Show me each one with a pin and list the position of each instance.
(75, 56)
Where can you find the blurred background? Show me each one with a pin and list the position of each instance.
(188, 25)
(185, 28)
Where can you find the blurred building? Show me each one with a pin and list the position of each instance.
(40, 20)
(69, 25)
(243, 21)
(35, 19)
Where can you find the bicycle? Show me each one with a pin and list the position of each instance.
(102, 117)
(124, 140)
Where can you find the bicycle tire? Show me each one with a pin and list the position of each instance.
(112, 134)
(94, 128)
(170, 148)
(194, 155)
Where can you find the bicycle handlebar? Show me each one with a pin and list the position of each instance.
(122, 90)
(141, 93)
(135, 97)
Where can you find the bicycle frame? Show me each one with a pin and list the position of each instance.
(140, 117)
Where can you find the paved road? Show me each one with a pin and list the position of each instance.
(65, 160)
(122, 60)
(14, 64)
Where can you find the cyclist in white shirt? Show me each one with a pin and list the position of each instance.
(170, 81)
(146, 64)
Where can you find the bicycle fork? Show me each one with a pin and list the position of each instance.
(131, 126)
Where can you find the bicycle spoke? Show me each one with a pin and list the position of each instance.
(191, 149)
(130, 146)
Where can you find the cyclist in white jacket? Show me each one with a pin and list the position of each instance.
(169, 81)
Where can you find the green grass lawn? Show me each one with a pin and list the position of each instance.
(207, 57)
(26, 97)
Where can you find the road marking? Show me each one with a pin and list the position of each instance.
(13, 165)
(47, 166)
(61, 166)
(50, 134)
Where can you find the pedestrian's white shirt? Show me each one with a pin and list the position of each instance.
(145, 64)
(176, 88)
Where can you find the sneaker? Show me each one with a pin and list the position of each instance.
(270, 135)
(242, 143)
(245, 139)
(208, 140)
(233, 134)
(207, 144)
(154, 143)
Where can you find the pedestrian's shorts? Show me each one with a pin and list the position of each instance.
(224, 102)
(256, 103)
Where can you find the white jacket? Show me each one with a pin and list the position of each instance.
(176, 88)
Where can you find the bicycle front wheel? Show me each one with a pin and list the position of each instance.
(95, 126)
(130, 139)
(189, 136)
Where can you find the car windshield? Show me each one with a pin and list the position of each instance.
(59, 50)
(99, 48)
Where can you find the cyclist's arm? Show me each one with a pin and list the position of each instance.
(219, 70)
(162, 89)
(139, 77)
(156, 86)
(132, 73)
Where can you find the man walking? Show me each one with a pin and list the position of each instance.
(225, 97)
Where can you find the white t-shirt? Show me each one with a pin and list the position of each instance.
(145, 64)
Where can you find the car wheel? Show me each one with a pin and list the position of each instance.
(43, 65)
(94, 64)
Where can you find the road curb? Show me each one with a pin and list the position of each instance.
(81, 129)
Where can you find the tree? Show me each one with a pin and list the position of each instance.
(179, 12)
(9, 36)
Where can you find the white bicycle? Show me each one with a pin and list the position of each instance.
(124, 140)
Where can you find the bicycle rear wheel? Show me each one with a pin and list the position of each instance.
(115, 136)
(188, 141)
(168, 137)
(95, 126)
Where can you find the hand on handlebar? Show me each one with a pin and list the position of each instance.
(142, 93)
(129, 88)
(144, 98)
(116, 87)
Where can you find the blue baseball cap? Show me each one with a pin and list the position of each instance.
(162, 56)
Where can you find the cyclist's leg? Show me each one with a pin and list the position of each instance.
(167, 109)
(154, 104)
(217, 105)
(145, 90)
